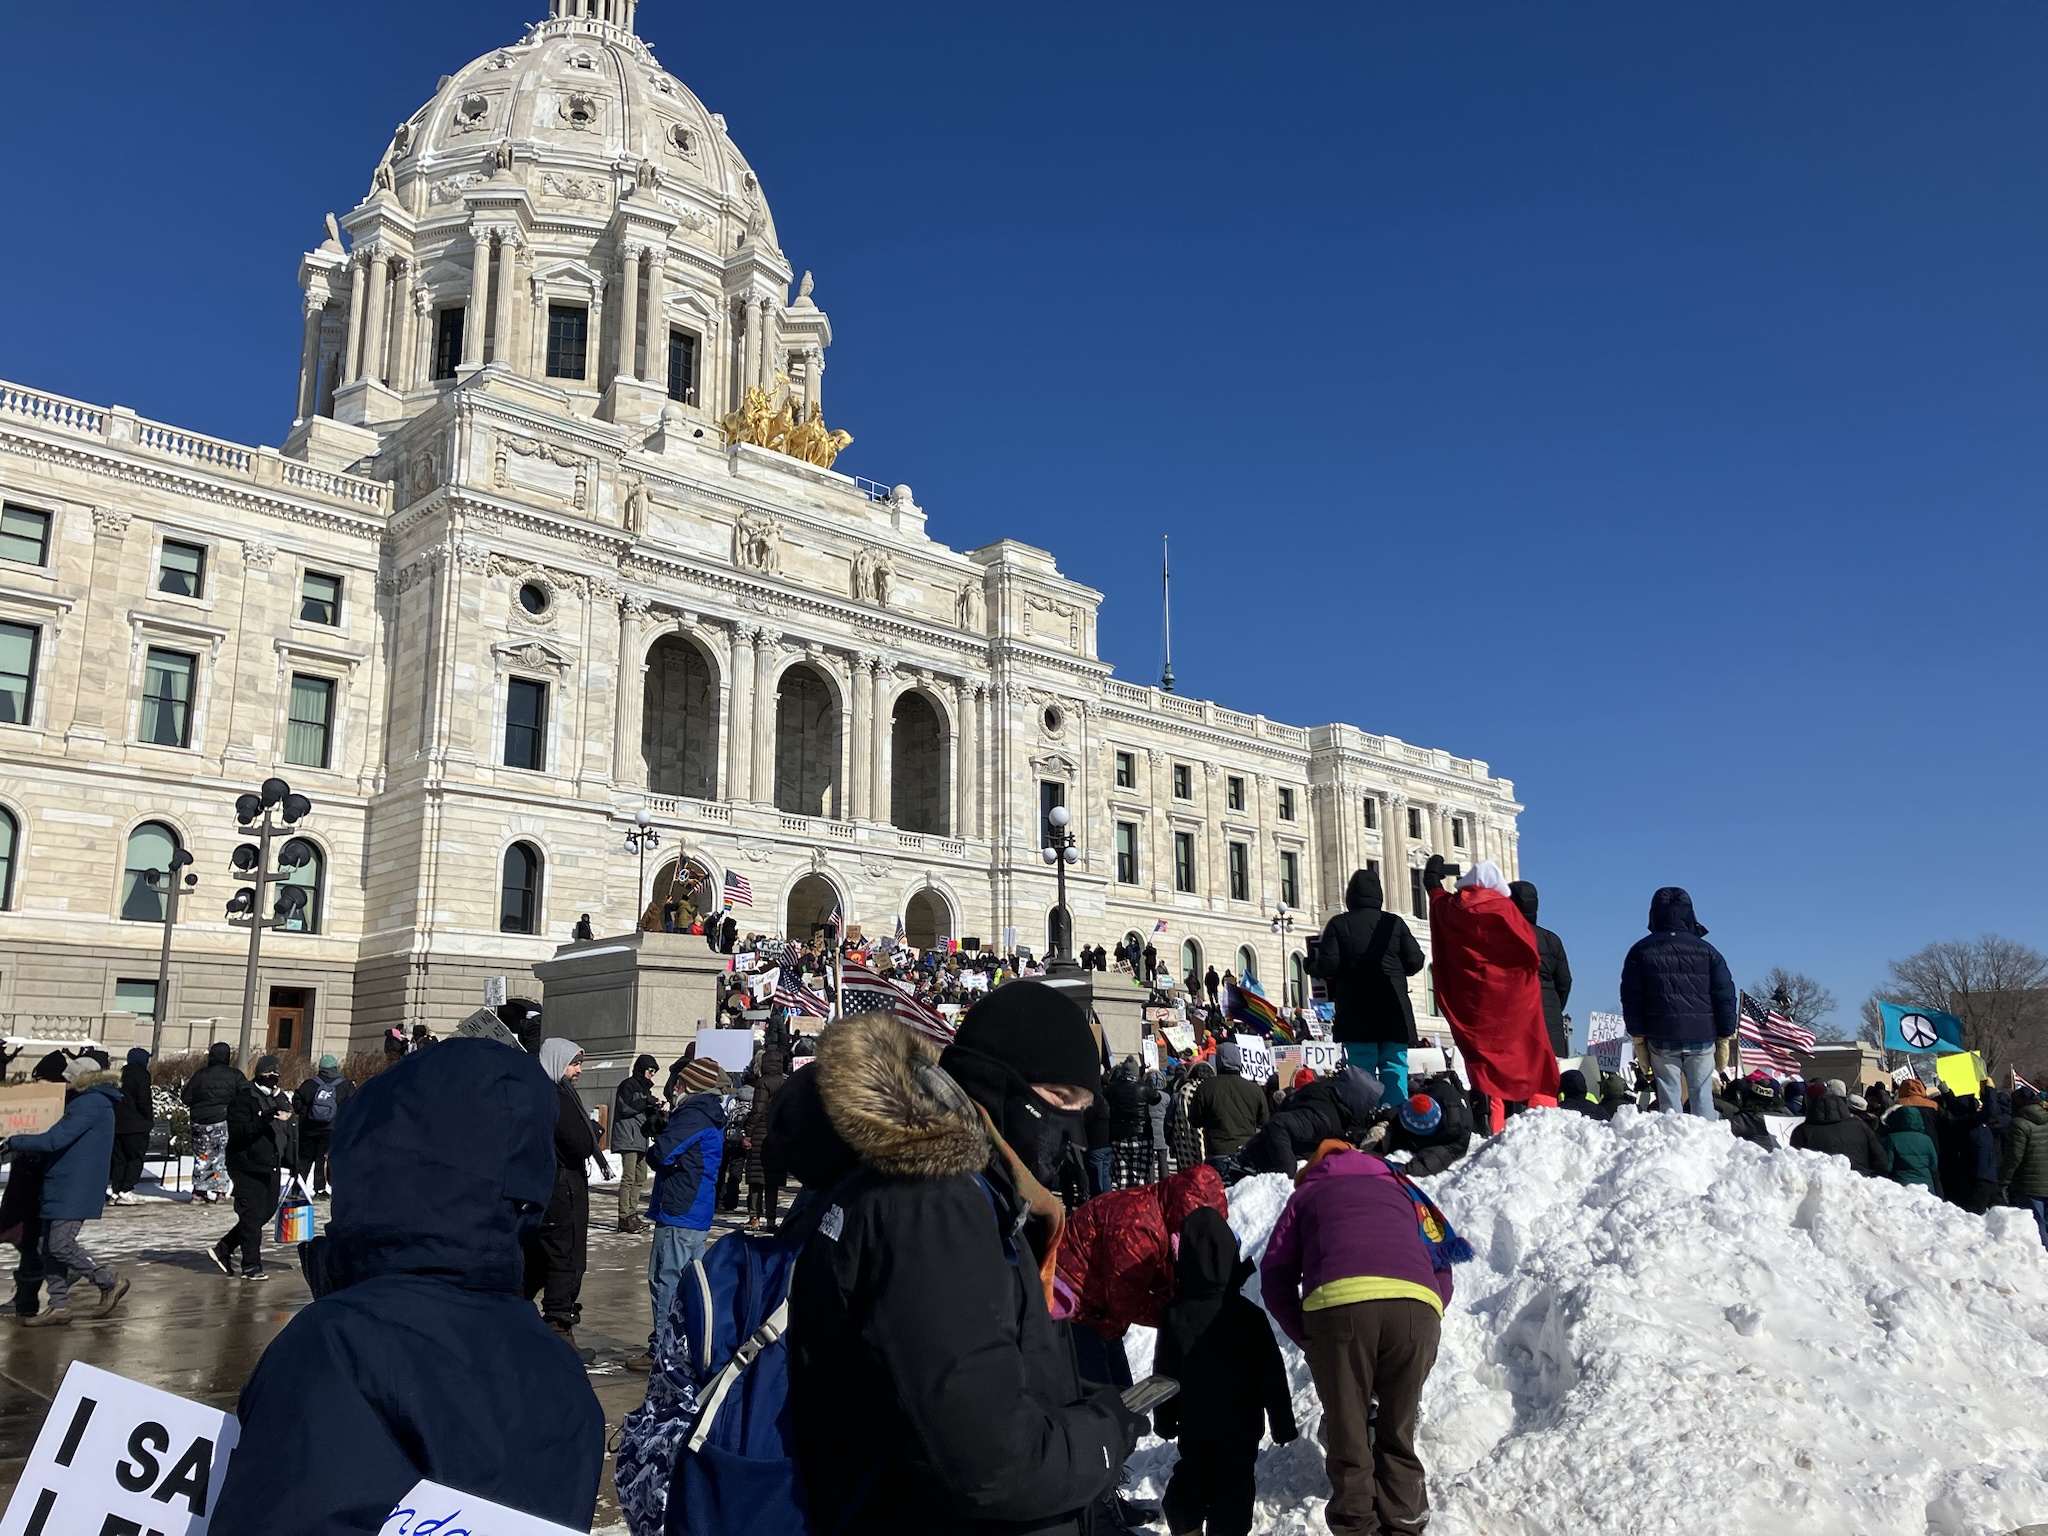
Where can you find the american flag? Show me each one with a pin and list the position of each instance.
(900, 931)
(1769, 1039)
(837, 919)
(800, 999)
(739, 890)
(863, 991)
(1160, 926)
(2019, 1082)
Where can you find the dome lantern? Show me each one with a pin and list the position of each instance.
(614, 13)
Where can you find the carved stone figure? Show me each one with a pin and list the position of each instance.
(884, 581)
(973, 609)
(864, 576)
(637, 505)
(757, 544)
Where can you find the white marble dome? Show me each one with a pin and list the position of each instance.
(584, 105)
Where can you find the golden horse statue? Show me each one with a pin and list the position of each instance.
(777, 422)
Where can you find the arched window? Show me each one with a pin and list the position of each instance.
(150, 846)
(10, 833)
(310, 877)
(1190, 960)
(519, 900)
(1297, 991)
(1248, 963)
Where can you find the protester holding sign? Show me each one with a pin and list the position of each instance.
(75, 1153)
(420, 1357)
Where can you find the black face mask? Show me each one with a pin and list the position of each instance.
(1049, 1141)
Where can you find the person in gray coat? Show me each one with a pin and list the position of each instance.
(636, 1120)
(1161, 1165)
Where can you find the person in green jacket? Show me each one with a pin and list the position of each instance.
(1915, 1158)
(2024, 1172)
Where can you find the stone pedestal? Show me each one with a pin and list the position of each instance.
(619, 996)
(366, 403)
(331, 444)
(634, 402)
(1117, 1005)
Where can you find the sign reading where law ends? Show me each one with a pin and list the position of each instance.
(432, 1510)
(116, 1458)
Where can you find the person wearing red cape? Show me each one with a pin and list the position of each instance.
(1484, 958)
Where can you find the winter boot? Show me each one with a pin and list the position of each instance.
(58, 1317)
(568, 1336)
(110, 1298)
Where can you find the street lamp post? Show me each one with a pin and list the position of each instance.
(639, 840)
(280, 808)
(166, 881)
(1283, 927)
(1062, 849)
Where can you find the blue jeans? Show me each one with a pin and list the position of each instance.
(2039, 1206)
(1389, 1063)
(1101, 1170)
(675, 1250)
(1684, 1071)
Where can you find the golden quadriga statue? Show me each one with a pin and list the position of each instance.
(776, 421)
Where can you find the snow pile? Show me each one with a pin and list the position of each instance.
(1667, 1330)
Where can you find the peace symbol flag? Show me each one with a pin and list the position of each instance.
(1920, 1031)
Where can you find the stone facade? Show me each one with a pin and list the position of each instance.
(507, 585)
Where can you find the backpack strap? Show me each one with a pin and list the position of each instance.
(710, 1330)
(763, 1338)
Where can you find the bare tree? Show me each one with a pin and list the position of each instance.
(1997, 987)
(1799, 998)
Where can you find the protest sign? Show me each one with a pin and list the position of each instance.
(494, 991)
(1148, 1052)
(31, 1109)
(116, 1458)
(1607, 1038)
(732, 1049)
(1253, 1051)
(432, 1510)
(1323, 1057)
(1180, 1036)
(1286, 1063)
(1963, 1072)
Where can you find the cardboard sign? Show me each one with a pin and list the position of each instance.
(116, 1458)
(494, 991)
(1180, 1036)
(1252, 1050)
(432, 1510)
(732, 1049)
(1607, 1038)
(31, 1109)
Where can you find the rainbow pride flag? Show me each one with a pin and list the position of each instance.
(1251, 1007)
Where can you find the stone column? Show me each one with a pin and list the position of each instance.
(419, 339)
(476, 320)
(970, 760)
(309, 356)
(863, 723)
(374, 314)
(1394, 851)
(629, 314)
(398, 326)
(767, 346)
(884, 705)
(766, 646)
(656, 368)
(750, 342)
(505, 352)
(629, 765)
(739, 751)
(351, 369)
(814, 378)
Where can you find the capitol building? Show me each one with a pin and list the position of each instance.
(556, 537)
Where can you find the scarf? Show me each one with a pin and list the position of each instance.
(1045, 1216)
(1438, 1235)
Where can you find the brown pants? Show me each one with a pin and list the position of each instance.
(1357, 1352)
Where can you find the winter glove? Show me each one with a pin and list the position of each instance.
(1132, 1427)
(604, 1166)
(1433, 872)
(1724, 1053)
(1376, 1137)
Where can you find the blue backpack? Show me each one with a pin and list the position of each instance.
(708, 1453)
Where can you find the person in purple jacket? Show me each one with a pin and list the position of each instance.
(1358, 1273)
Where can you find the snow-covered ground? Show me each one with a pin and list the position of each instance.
(1669, 1330)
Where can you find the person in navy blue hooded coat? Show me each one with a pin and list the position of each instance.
(421, 1357)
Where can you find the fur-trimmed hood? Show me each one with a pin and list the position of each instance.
(889, 1101)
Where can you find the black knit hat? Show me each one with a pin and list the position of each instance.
(1037, 1031)
(51, 1068)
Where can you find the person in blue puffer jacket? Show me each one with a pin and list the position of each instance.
(75, 1153)
(1680, 1004)
(685, 1201)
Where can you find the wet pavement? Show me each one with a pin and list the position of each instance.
(188, 1329)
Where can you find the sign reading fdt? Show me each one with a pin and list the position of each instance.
(116, 1458)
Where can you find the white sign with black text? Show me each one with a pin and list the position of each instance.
(1256, 1055)
(116, 1458)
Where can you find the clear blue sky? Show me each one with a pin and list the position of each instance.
(1646, 399)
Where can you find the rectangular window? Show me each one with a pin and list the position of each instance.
(1234, 787)
(17, 672)
(1184, 861)
(1240, 872)
(1290, 878)
(1372, 813)
(447, 343)
(568, 340)
(24, 535)
(135, 996)
(1183, 782)
(526, 724)
(1126, 770)
(167, 698)
(1418, 898)
(1126, 853)
(1457, 831)
(320, 599)
(1414, 824)
(311, 724)
(682, 367)
(1050, 793)
(1287, 805)
(181, 569)
(1373, 865)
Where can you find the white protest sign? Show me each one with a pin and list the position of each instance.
(1253, 1051)
(1180, 1036)
(494, 991)
(763, 983)
(1323, 1057)
(116, 1458)
(1148, 1052)
(732, 1049)
(1607, 1038)
(1900, 1074)
(432, 1510)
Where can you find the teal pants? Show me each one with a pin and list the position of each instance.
(1389, 1063)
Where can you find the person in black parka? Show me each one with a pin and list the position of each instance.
(559, 1250)
(134, 1118)
(1366, 956)
(1553, 971)
(259, 1146)
(1830, 1127)
(1331, 1108)
(1572, 1095)
(1233, 1383)
(419, 1357)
